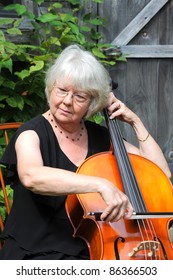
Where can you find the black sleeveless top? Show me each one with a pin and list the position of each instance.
(39, 223)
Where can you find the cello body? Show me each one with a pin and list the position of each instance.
(133, 239)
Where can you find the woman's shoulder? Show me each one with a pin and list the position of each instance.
(33, 123)
(38, 124)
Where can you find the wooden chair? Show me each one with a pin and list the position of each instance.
(6, 131)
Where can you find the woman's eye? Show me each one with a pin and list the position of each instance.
(80, 96)
(62, 89)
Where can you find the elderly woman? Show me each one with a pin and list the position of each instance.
(45, 152)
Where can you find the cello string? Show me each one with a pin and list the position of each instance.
(131, 176)
(145, 223)
(127, 178)
(131, 187)
(135, 198)
(159, 251)
(117, 150)
(143, 239)
(149, 230)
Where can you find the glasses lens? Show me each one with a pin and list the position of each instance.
(78, 97)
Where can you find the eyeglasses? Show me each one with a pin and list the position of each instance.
(78, 97)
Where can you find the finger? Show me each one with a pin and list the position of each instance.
(117, 113)
(114, 214)
(111, 99)
(115, 107)
(129, 211)
(107, 213)
(118, 215)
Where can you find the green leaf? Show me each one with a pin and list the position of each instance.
(98, 1)
(31, 47)
(57, 5)
(121, 58)
(57, 23)
(9, 191)
(97, 118)
(74, 2)
(96, 21)
(10, 48)
(81, 39)
(2, 50)
(1, 80)
(2, 37)
(10, 84)
(18, 22)
(66, 31)
(85, 28)
(6, 64)
(30, 15)
(29, 102)
(48, 17)
(109, 62)
(39, 1)
(74, 28)
(6, 21)
(38, 66)
(42, 57)
(98, 53)
(23, 74)
(87, 17)
(3, 212)
(3, 97)
(15, 102)
(20, 9)
(67, 17)
(14, 31)
(55, 41)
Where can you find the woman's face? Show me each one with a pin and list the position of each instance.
(67, 104)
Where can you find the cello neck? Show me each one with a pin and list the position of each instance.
(128, 178)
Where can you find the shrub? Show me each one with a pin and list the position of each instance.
(22, 66)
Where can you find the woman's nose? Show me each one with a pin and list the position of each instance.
(68, 99)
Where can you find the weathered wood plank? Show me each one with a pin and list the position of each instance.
(145, 51)
(164, 110)
(146, 14)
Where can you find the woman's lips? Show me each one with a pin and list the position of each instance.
(65, 111)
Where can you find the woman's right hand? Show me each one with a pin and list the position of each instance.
(118, 204)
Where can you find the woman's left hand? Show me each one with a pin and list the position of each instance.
(148, 147)
(118, 109)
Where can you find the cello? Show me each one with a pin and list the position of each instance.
(143, 237)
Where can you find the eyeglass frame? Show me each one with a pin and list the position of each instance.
(62, 92)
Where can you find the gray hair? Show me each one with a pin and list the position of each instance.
(86, 73)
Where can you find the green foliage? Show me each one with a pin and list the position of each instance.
(23, 65)
(3, 212)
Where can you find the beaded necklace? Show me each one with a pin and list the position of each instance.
(61, 132)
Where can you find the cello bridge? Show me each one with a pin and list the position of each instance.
(150, 246)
